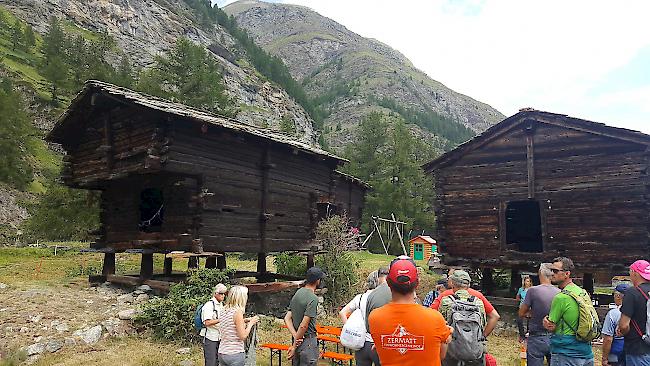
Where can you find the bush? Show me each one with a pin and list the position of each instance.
(172, 317)
(288, 264)
(342, 279)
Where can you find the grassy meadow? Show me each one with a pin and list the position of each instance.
(65, 273)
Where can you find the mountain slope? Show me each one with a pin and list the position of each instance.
(146, 28)
(353, 75)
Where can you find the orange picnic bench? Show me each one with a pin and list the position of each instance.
(337, 358)
(276, 349)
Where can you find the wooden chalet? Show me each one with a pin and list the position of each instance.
(540, 185)
(174, 178)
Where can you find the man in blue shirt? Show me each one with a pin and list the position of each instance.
(612, 344)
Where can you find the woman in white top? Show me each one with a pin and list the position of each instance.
(234, 328)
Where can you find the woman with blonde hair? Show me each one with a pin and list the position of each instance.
(235, 328)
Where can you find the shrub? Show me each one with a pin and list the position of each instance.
(342, 279)
(290, 264)
(172, 317)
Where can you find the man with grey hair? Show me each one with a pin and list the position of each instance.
(210, 314)
(536, 306)
(467, 347)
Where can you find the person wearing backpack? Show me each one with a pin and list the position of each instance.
(358, 305)
(465, 314)
(210, 314)
(571, 339)
(634, 320)
(613, 344)
(536, 307)
(406, 333)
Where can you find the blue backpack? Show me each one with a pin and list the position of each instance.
(198, 323)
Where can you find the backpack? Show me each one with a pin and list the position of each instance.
(198, 322)
(465, 317)
(589, 326)
(644, 336)
(353, 333)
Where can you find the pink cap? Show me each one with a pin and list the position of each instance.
(641, 267)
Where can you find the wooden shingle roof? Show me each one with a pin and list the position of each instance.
(65, 122)
(525, 116)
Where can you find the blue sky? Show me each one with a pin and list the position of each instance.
(587, 59)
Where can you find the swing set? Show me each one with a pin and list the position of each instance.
(392, 228)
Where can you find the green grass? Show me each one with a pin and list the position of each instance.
(71, 28)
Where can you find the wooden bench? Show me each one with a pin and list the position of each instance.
(276, 349)
(321, 339)
(338, 358)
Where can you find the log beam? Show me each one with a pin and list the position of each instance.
(167, 268)
(109, 264)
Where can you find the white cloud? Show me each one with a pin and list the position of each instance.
(549, 55)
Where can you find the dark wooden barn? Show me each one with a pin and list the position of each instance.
(540, 185)
(173, 178)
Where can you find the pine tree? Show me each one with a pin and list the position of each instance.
(124, 75)
(56, 72)
(187, 74)
(17, 36)
(30, 37)
(15, 131)
(53, 41)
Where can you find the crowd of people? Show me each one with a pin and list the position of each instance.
(452, 327)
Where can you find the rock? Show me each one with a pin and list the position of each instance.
(145, 288)
(32, 359)
(35, 318)
(35, 349)
(92, 335)
(138, 292)
(53, 345)
(69, 341)
(141, 298)
(183, 351)
(23, 330)
(111, 325)
(63, 327)
(127, 314)
(186, 363)
(3, 286)
(125, 299)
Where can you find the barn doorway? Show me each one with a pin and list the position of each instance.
(524, 226)
(152, 210)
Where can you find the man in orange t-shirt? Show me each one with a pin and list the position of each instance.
(406, 333)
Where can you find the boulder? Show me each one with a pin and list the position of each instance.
(92, 335)
(125, 299)
(53, 345)
(145, 288)
(141, 298)
(186, 363)
(35, 349)
(127, 314)
(183, 351)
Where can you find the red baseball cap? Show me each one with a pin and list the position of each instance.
(641, 267)
(403, 270)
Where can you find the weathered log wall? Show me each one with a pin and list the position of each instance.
(592, 192)
(260, 197)
(112, 144)
(350, 200)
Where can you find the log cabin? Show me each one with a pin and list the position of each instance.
(174, 178)
(540, 185)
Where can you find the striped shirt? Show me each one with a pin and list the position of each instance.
(230, 342)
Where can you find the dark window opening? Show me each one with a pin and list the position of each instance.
(325, 210)
(152, 210)
(524, 226)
